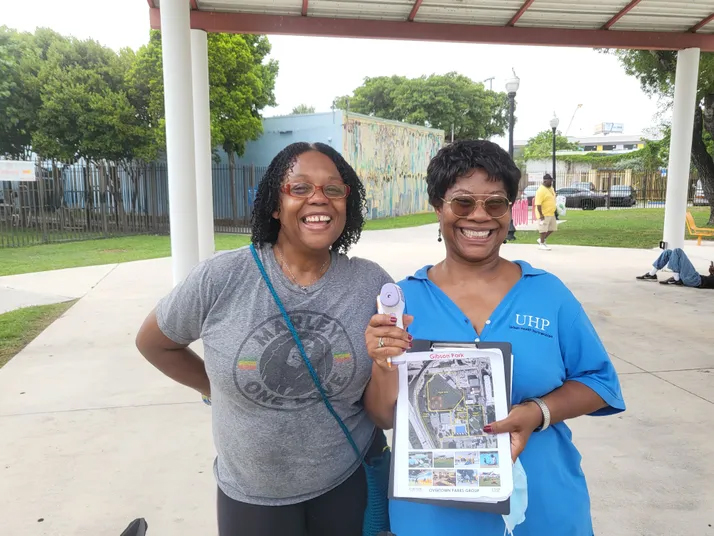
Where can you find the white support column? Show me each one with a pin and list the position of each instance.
(202, 141)
(178, 101)
(680, 147)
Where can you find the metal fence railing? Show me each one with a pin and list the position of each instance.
(89, 200)
(85, 201)
(233, 195)
(618, 189)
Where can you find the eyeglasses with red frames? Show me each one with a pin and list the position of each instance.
(464, 205)
(306, 190)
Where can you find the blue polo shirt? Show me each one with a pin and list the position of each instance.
(553, 341)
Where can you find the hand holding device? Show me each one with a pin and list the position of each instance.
(391, 301)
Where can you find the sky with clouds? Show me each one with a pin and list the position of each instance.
(315, 70)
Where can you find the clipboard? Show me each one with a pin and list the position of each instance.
(423, 345)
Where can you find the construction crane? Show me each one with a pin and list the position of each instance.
(571, 119)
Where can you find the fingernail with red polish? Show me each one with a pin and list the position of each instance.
(488, 429)
(411, 338)
(410, 345)
(393, 319)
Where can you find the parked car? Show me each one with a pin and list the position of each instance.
(529, 193)
(622, 196)
(582, 198)
(583, 186)
(699, 198)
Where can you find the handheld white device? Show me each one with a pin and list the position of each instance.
(391, 301)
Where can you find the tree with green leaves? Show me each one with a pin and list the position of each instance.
(437, 101)
(11, 138)
(241, 85)
(241, 82)
(66, 99)
(540, 146)
(19, 91)
(303, 109)
(655, 69)
(377, 96)
(85, 111)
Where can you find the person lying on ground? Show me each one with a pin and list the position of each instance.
(684, 273)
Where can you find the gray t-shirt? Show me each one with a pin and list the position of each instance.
(276, 442)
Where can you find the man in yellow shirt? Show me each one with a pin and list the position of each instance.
(545, 210)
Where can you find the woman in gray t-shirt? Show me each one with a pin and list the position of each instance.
(284, 467)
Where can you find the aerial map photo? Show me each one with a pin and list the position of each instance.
(449, 404)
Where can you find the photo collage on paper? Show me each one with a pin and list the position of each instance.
(449, 404)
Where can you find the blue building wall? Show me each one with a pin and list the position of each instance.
(279, 132)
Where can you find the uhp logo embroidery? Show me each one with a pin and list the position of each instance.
(532, 322)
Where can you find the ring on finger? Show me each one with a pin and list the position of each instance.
(380, 342)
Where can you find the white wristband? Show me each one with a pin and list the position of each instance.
(544, 410)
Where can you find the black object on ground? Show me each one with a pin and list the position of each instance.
(138, 527)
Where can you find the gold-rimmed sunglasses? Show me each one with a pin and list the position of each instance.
(463, 205)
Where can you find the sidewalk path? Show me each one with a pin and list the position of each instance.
(91, 436)
(44, 288)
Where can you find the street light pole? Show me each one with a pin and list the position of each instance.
(554, 126)
(511, 88)
(511, 120)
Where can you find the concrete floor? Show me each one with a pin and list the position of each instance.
(43, 288)
(92, 436)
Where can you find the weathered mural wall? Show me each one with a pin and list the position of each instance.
(391, 159)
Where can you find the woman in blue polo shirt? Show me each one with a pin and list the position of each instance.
(561, 369)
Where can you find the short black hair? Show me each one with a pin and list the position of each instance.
(457, 159)
(265, 228)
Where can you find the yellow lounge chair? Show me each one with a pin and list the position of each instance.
(699, 232)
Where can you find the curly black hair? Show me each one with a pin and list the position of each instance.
(457, 159)
(267, 199)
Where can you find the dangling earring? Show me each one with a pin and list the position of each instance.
(438, 238)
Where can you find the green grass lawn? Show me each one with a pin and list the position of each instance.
(18, 328)
(412, 220)
(43, 257)
(94, 252)
(632, 228)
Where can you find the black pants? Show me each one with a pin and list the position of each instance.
(339, 512)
